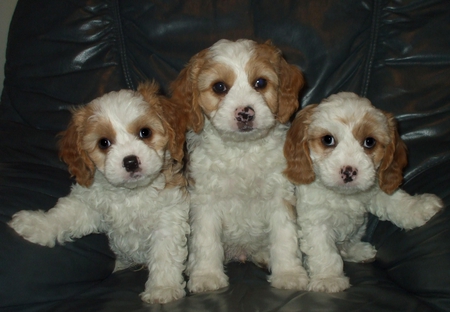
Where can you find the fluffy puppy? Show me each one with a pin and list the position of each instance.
(126, 158)
(346, 158)
(241, 94)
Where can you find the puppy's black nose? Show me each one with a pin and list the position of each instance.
(131, 163)
(348, 173)
(244, 118)
(244, 114)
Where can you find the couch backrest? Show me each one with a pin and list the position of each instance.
(396, 53)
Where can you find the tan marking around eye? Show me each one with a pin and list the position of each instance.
(374, 127)
(158, 138)
(210, 74)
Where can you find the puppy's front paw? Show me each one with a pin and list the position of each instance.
(162, 295)
(289, 280)
(207, 282)
(329, 284)
(33, 226)
(423, 209)
(359, 252)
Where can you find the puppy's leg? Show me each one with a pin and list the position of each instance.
(285, 258)
(70, 218)
(324, 262)
(206, 254)
(166, 264)
(404, 210)
(353, 250)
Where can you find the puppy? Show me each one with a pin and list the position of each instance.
(126, 159)
(346, 158)
(242, 207)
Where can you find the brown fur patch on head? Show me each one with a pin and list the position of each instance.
(210, 74)
(71, 148)
(390, 172)
(174, 121)
(288, 82)
(185, 92)
(299, 168)
(373, 125)
(97, 128)
(316, 145)
(264, 64)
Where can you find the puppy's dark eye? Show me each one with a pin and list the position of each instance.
(220, 87)
(328, 141)
(104, 143)
(145, 133)
(369, 142)
(260, 83)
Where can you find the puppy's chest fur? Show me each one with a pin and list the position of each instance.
(242, 184)
(130, 217)
(344, 213)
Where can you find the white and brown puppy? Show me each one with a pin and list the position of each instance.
(126, 158)
(346, 158)
(241, 93)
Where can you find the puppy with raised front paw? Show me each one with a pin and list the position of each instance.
(346, 158)
(242, 207)
(125, 151)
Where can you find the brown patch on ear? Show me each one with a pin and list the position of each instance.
(177, 120)
(185, 92)
(175, 117)
(291, 82)
(71, 151)
(390, 173)
(296, 150)
(149, 90)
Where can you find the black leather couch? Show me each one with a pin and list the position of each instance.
(66, 52)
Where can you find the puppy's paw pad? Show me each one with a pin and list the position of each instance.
(207, 282)
(329, 284)
(162, 295)
(32, 226)
(290, 280)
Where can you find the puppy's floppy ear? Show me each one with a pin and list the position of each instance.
(185, 92)
(390, 172)
(71, 151)
(296, 151)
(177, 119)
(291, 82)
(174, 116)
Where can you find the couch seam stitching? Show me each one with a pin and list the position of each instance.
(372, 46)
(122, 46)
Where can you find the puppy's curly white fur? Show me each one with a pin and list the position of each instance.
(346, 158)
(242, 93)
(126, 158)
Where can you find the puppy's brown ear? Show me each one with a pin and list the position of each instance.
(291, 82)
(390, 173)
(175, 117)
(185, 92)
(71, 151)
(296, 151)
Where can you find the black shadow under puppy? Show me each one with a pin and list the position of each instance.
(126, 158)
(346, 158)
